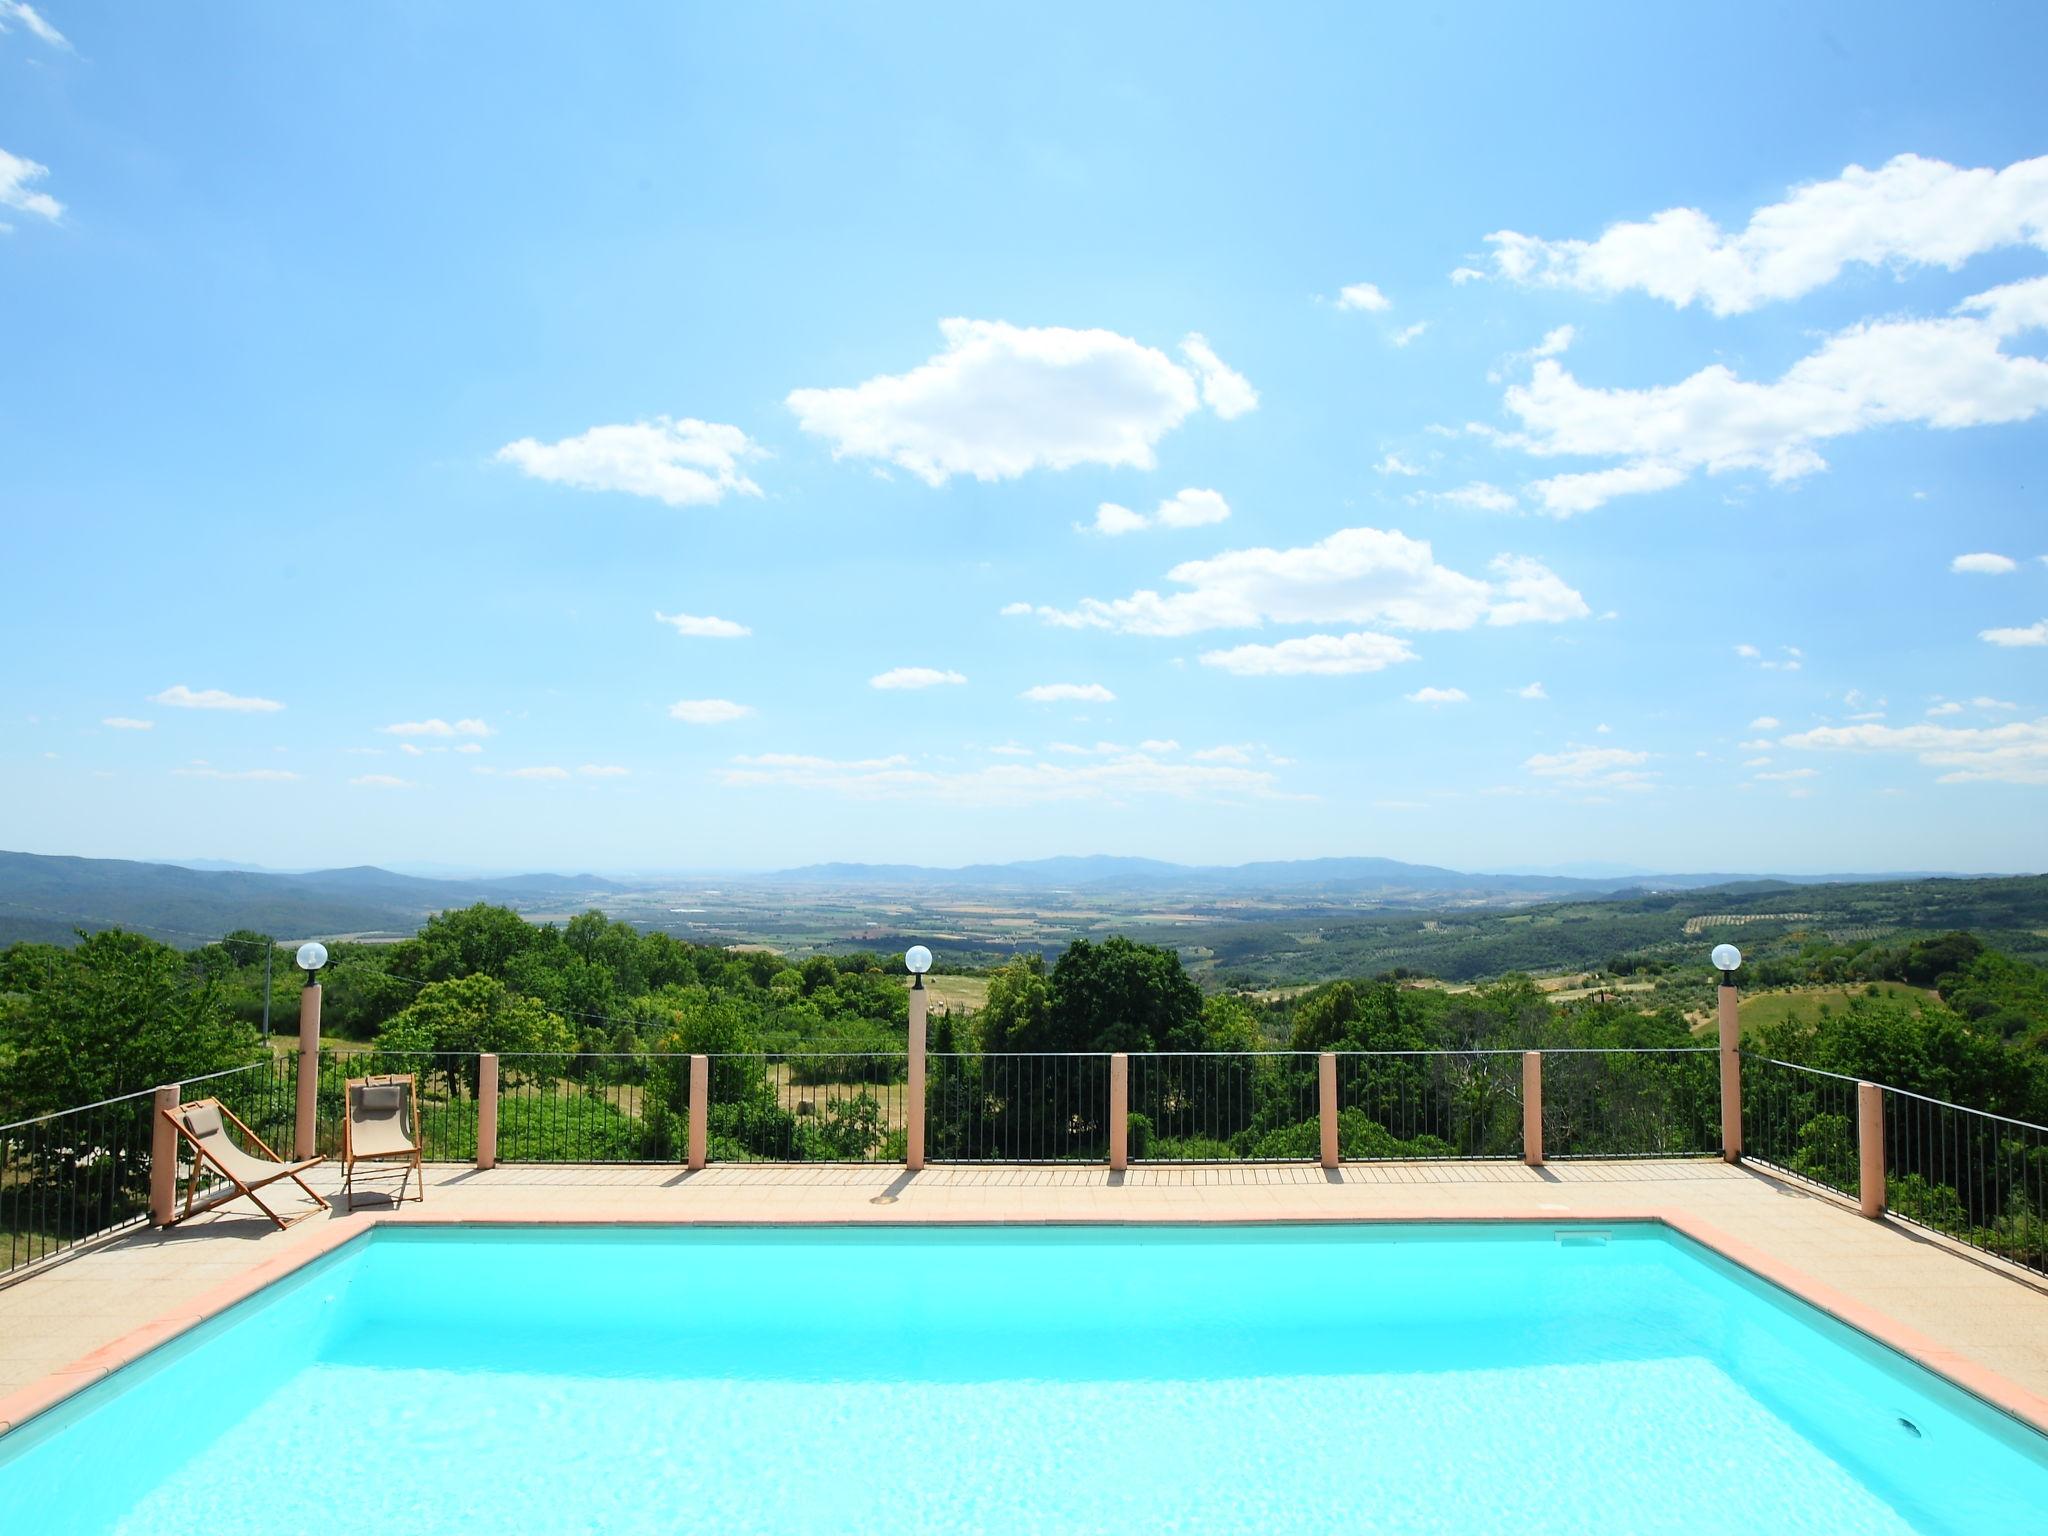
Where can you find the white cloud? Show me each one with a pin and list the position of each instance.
(1366, 296)
(436, 727)
(2014, 753)
(410, 750)
(1592, 767)
(128, 723)
(469, 747)
(2033, 634)
(1394, 464)
(1555, 341)
(248, 775)
(702, 626)
(1530, 592)
(1111, 520)
(1408, 333)
(1168, 745)
(1438, 696)
(1131, 776)
(708, 711)
(1757, 762)
(914, 677)
(685, 463)
(1224, 390)
(28, 16)
(1533, 691)
(545, 772)
(1313, 655)
(1948, 708)
(1786, 775)
(1010, 749)
(1001, 400)
(1789, 658)
(1191, 508)
(1056, 693)
(1229, 752)
(1463, 275)
(1999, 705)
(603, 771)
(1355, 576)
(178, 696)
(1568, 495)
(1764, 723)
(1479, 495)
(16, 174)
(1944, 372)
(1909, 212)
(381, 781)
(1983, 564)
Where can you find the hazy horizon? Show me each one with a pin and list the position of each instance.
(429, 869)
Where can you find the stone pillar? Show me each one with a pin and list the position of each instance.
(1326, 1106)
(1532, 1108)
(913, 1107)
(1119, 1112)
(700, 1108)
(1870, 1148)
(1731, 1074)
(163, 1157)
(487, 1110)
(306, 1124)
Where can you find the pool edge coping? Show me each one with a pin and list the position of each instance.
(22, 1406)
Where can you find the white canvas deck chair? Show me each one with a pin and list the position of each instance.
(381, 1127)
(203, 1126)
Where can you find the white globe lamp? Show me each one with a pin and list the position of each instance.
(1727, 960)
(312, 955)
(917, 960)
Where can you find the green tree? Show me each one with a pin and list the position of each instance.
(1120, 995)
(469, 1014)
(1017, 1015)
(115, 1014)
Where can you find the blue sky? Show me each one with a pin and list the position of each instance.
(1526, 437)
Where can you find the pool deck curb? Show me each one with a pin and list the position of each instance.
(20, 1407)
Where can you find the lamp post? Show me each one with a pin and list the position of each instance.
(1728, 960)
(917, 960)
(312, 955)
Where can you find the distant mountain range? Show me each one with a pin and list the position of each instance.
(49, 898)
(1351, 876)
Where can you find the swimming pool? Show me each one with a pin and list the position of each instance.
(1441, 1378)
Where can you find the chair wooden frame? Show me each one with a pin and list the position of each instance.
(238, 1189)
(412, 1159)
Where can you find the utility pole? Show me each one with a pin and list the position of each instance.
(269, 949)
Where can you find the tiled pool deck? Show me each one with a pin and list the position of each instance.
(1980, 1322)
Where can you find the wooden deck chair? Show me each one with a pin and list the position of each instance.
(380, 1128)
(203, 1125)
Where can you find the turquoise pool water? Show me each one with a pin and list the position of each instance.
(1463, 1378)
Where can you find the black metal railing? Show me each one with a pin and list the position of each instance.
(1017, 1107)
(612, 1107)
(1224, 1106)
(1801, 1121)
(1981, 1179)
(1631, 1102)
(78, 1174)
(807, 1107)
(1428, 1105)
